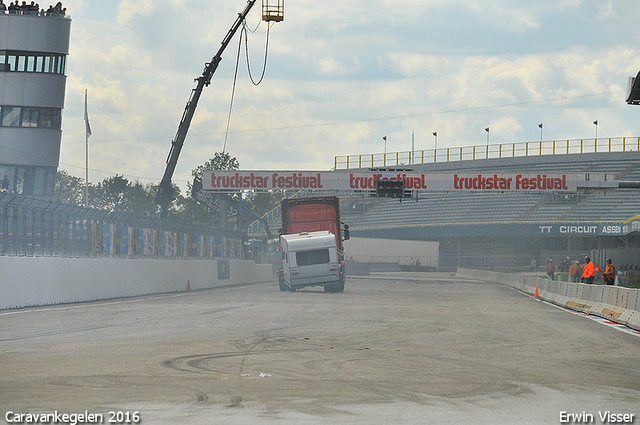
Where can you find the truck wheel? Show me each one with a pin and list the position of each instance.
(329, 288)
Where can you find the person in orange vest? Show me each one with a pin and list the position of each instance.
(573, 271)
(609, 275)
(551, 269)
(589, 273)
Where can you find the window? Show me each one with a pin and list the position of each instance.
(46, 118)
(12, 61)
(15, 116)
(30, 117)
(57, 118)
(308, 258)
(43, 184)
(31, 63)
(10, 116)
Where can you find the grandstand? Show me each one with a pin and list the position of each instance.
(504, 231)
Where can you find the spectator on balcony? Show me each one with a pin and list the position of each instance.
(3, 7)
(29, 9)
(58, 10)
(5, 185)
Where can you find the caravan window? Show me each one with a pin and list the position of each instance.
(308, 258)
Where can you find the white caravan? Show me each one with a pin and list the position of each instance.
(311, 259)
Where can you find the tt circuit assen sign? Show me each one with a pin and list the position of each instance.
(227, 181)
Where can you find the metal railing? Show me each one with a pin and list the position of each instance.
(34, 227)
(505, 150)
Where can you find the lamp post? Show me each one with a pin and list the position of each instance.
(596, 124)
(384, 161)
(413, 146)
(540, 125)
(435, 140)
(487, 150)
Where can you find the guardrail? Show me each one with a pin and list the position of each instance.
(505, 150)
(615, 303)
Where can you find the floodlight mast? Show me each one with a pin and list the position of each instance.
(165, 193)
(633, 90)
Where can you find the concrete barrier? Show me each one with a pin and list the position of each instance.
(618, 304)
(28, 281)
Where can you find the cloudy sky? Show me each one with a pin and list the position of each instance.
(341, 75)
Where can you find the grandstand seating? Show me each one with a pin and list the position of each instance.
(483, 208)
(446, 209)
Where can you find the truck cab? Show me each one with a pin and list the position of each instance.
(311, 259)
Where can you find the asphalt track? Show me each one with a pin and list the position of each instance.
(391, 349)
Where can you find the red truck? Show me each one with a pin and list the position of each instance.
(305, 216)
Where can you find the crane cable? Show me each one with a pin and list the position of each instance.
(266, 51)
(233, 92)
(244, 33)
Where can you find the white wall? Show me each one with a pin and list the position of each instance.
(28, 281)
(401, 251)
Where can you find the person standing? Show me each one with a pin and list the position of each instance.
(589, 273)
(573, 271)
(551, 269)
(609, 274)
(5, 185)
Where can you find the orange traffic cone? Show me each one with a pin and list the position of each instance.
(536, 295)
(189, 286)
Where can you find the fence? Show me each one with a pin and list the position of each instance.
(505, 150)
(626, 261)
(35, 227)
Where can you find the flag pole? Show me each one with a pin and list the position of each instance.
(86, 172)
(87, 133)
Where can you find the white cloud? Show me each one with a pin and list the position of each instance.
(341, 75)
(410, 64)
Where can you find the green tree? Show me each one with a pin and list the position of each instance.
(117, 193)
(69, 189)
(197, 211)
(113, 194)
(220, 161)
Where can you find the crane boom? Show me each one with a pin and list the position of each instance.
(165, 194)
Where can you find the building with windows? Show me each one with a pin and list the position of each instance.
(33, 53)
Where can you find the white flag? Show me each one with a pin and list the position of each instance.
(86, 116)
